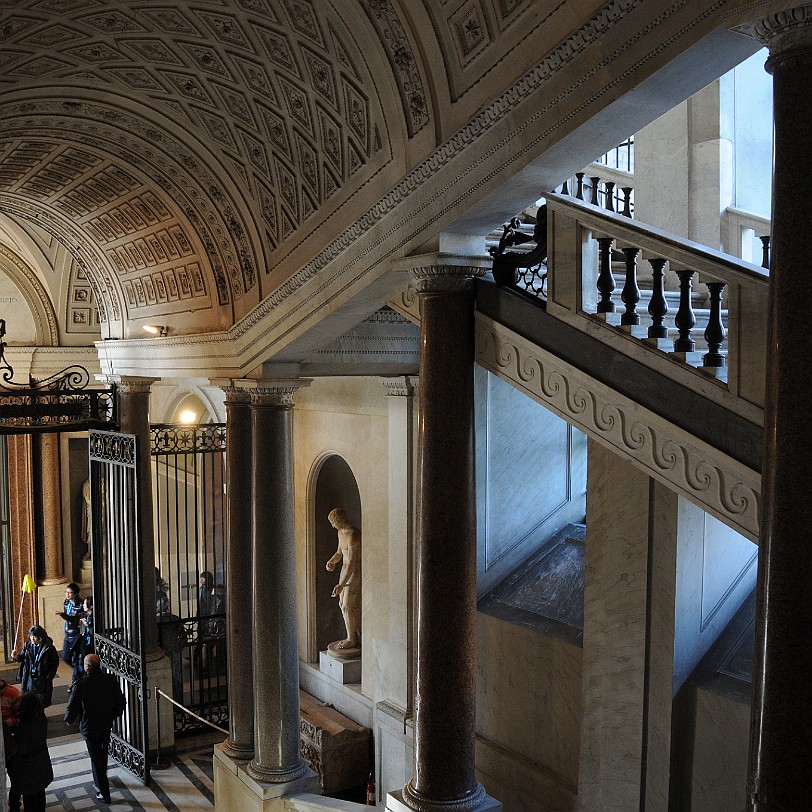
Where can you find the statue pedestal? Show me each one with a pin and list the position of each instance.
(343, 671)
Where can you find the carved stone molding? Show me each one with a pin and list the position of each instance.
(718, 484)
(35, 294)
(399, 50)
(785, 30)
(400, 387)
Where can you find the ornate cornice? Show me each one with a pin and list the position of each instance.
(720, 485)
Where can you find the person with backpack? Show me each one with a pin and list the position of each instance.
(39, 662)
(96, 701)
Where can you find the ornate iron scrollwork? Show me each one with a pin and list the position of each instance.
(60, 402)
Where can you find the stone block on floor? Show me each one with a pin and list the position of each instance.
(334, 746)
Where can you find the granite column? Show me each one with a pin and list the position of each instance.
(239, 609)
(781, 724)
(445, 680)
(275, 647)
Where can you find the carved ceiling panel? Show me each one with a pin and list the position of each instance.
(279, 92)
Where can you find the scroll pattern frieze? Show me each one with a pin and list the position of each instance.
(725, 488)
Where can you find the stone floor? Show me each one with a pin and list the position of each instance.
(186, 785)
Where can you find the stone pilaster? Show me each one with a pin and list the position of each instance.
(445, 690)
(781, 725)
(239, 602)
(133, 405)
(275, 645)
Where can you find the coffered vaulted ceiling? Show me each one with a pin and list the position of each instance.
(186, 153)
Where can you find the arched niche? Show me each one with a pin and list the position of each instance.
(332, 485)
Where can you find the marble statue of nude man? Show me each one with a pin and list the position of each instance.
(348, 588)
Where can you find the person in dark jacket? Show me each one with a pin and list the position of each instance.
(39, 662)
(72, 611)
(96, 701)
(31, 770)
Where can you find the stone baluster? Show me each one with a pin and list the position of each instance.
(765, 251)
(631, 292)
(579, 185)
(565, 187)
(595, 189)
(606, 280)
(627, 201)
(781, 721)
(715, 331)
(657, 306)
(609, 203)
(685, 320)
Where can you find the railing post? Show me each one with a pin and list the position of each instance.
(685, 319)
(631, 292)
(657, 306)
(765, 251)
(627, 201)
(715, 331)
(606, 281)
(609, 203)
(595, 181)
(579, 185)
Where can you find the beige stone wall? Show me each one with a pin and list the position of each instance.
(528, 716)
(346, 416)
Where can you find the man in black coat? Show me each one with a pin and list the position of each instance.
(96, 701)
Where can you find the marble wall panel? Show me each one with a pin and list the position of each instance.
(529, 698)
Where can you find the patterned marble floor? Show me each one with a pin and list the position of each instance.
(186, 785)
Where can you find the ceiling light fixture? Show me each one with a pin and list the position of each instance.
(156, 329)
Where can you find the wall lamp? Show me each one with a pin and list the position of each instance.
(156, 329)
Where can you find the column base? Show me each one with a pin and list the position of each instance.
(237, 753)
(482, 802)
(234, 788)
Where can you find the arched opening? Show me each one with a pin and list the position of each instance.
(335, 486)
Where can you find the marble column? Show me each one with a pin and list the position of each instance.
(275, 646)
(52, 566)
(239, 603)
(445, 679)
(781, 723)
(133, 410)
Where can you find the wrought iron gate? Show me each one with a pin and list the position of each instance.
(189, 503)
(117, 590)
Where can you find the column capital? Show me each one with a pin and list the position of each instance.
(403, 386)
(272, 392)
(443, 273)
(786, 33)
(127, 384)
(236, 393)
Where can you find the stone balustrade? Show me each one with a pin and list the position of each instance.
(588, 245)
